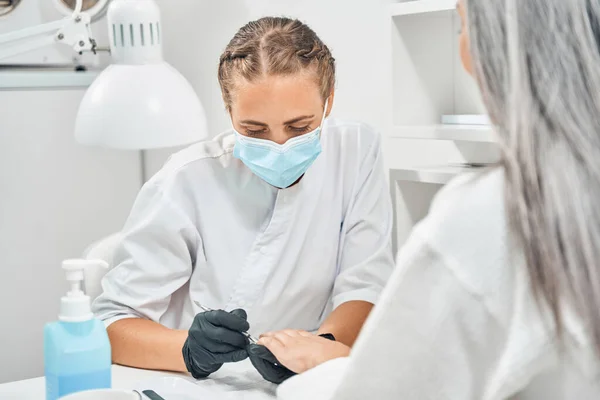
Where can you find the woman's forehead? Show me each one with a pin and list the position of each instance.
(285, 95)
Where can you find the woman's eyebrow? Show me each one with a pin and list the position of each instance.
(291, 121)
(252, 122)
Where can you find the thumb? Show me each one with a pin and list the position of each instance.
(240, 313)
(258, 351)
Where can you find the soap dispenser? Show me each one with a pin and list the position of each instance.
(77, 353)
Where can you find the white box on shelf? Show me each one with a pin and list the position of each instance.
(468, 133)
(438, 176)
(473, 119)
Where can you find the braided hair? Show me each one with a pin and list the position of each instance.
(275, 46)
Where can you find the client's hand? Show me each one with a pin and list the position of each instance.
(300, 351)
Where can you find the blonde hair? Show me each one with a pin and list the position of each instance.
(275, 46)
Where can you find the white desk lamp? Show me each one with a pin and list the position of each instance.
(140, 101)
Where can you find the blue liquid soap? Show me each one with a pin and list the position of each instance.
(77, 353)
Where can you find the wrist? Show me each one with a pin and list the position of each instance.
(340, 350)
(332, 351)
(181, 344)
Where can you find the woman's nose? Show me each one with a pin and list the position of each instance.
(279, 137)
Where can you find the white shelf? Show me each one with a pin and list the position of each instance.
(421, 7)
(439, 176)
(469, 133)
(11, 80)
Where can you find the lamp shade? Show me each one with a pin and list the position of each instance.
(140, 107)
(140, 101)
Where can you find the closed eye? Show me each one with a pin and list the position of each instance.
(299, 130)
(257, 132)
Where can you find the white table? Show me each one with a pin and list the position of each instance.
(232, 381)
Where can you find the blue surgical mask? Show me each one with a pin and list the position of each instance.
(279, 165)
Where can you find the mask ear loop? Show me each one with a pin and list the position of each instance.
(323, 119)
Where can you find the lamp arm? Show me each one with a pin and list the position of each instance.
(73, 31)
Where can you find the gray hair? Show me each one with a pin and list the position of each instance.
(538, 66)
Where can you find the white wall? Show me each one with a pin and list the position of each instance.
(56, 196)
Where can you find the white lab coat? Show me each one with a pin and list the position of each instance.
(205, 228)
(458, 319)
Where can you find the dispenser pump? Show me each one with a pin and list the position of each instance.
(75, 306)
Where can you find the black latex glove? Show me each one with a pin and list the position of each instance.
(215, 338)
(268, 366)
